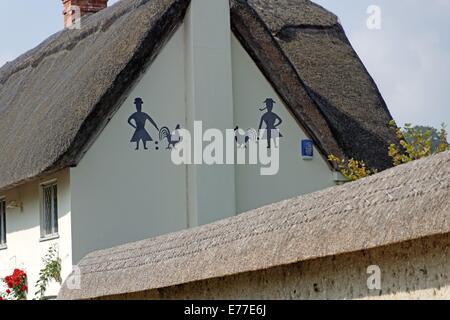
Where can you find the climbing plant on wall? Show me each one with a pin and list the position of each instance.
(50, 271)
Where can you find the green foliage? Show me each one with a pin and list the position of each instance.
(413, 143)
(51, 271)
(351, 169)
(417, 142)
(443, 141)
(433, 132)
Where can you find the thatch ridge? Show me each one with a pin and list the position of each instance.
(400, 204)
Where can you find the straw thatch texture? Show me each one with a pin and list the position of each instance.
(55, 99)
(400, 204)
(304, 52)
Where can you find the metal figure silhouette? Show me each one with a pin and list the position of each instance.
(140, 118)
(271, 121)
(173, 138)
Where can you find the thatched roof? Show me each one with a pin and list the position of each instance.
(400, 204)
(55, 99)
(303, 50)
(58, 96)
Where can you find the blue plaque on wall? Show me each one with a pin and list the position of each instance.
(307, 147)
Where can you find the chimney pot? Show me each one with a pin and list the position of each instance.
(86, 7)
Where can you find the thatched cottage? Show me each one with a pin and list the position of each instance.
(86, 118)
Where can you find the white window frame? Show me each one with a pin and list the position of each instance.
(3, 230)
(53, 215)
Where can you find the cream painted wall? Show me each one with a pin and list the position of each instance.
(209, 97)
(24, 248)
(121, 195)
(295, 176)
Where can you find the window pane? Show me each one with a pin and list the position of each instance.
(49, 210)
(55, 209)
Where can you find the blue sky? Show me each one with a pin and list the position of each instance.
(409, 57)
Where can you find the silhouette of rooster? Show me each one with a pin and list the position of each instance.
(243, 139)
(172, 138)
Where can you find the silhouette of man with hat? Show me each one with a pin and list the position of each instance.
(140, 119)
(271, 121)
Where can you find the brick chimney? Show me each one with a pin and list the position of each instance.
(85, 7)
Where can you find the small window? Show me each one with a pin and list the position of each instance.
(49, 210)
(2, 223)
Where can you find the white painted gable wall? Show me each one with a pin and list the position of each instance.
(121, 195)
(296, 176)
